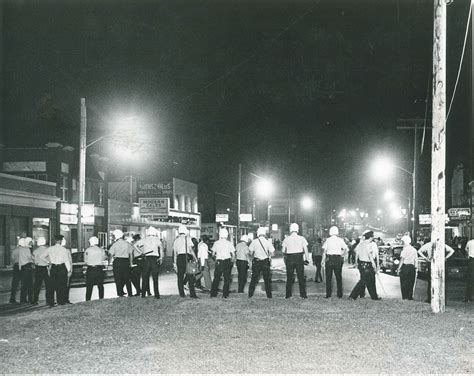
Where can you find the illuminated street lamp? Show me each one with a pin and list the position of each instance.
(390, 195)
(306, 203)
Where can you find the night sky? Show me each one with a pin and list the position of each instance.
(304, 91)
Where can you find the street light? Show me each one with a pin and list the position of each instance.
(306, 203)
(384, 168)
(389, 195)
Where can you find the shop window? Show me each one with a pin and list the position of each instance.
(103, 239)
(64, 188)
(195, 205)
(18, 227)
(101, 194)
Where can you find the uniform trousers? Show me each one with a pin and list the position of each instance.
(122, 275)
(136, 274)
(26, 292)
(295, 261)
(334, 264)
(317, 262)
(95, 276)
(181, 261)
(367, 279)
(223, 267)
(469, 279)
(16, 278)
(206, 274)
(58, 281)
(407, 280)
(242, 270)
(41, 274)
(151, 267)
(261, 267)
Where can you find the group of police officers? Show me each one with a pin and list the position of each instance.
(136, 259)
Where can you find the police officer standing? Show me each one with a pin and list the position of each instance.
(61, 269)
(25, 264)
(295, 247)
(203, 255)
(366, 255)
(41, 272)
(224, 252)
(334, 249)
(152, 248)
(122, 253)
(242, 262)
(16, 276)
(406, 268)
(182, 251)
(261, 249)
(94, 257)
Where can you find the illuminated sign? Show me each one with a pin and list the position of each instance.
(222, 217)
(155, 189)
(245, 217)
(154, 206)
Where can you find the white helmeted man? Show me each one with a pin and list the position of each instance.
(334, 249)
(295, 248)
(203, 256)
(153, 250)
(182, 252)
(41, 272)
(122, 252)
(94, 258)
(406, 268)
(242, 262)
(262, 250)
(224, 252)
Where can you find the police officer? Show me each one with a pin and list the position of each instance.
(470, 271)
(25, 264)
(261, 249)
(182, 252)
(152, 249)
(366, 254)
(122, 252)
(317, 255)
(94, 258)
(406, 268)
(203, 255)
(295, 248)
(16, 276)
(242, 262)
(41, 272)
(334, 249)
(61, 269)
(224, 252)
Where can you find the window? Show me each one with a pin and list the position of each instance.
(74, 184)
(101, 194)
(64, 188)
(102, 239)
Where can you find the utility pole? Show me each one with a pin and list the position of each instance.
(238, 201)
(82, 173)
(438, 158)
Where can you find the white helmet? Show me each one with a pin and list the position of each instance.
(63, 242)
(406, 240)
(333, 231)
(294, 227)
(23, 242)
(223, 233)
(261, 231)
(41, 241)
(182, 230)
(94, 240)
(118, 234)
(151, 231)
(244, 238)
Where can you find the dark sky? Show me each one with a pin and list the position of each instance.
(305, 91)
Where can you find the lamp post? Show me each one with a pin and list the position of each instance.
(389, 196)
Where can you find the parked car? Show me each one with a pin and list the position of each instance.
(78, 277)
(454, 268)
(391, 259)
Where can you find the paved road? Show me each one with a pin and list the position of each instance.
(168, 286)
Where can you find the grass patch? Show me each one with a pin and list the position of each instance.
(239, 335)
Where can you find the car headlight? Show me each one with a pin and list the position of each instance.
(396, 262)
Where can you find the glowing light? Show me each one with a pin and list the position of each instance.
(264, 187)
(306, 203)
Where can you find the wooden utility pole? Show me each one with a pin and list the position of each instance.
(438, 158)
(82, 174)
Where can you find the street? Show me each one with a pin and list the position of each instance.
(388, 287)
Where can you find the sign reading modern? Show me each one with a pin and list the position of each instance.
(154, 206)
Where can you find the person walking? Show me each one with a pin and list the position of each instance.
(94, 258)
(25, 264)
(262, 251)
(334, 249)
(16, 274)
(426, 252)
(152, 248)
(203, 255)
(295, 247)
(137, 266)
(224, 252)
(470, 271)
(317, 255)
(41, 272)
(406, 268)
(242, 262)
(366, 254)
(122, 253)
(61, 269)
(182, 251)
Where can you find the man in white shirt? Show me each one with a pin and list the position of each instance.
(94, 258)
(262, 250)
(203, 256)
(152, 248)
(334, 249)
(295, 248)
(41, 272)
(470, 271)
(224, 252)
(242, 262)
(406, 268)
(182, 253)
(25, 263)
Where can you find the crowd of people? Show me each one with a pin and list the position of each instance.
(135, 260)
